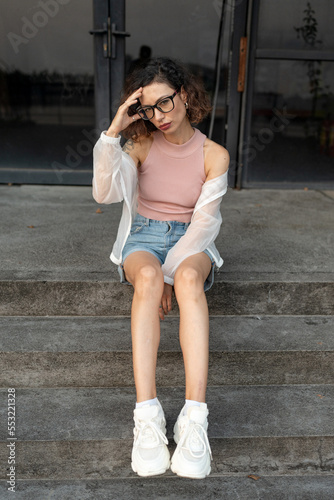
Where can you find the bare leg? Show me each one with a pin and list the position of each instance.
(143, 271)
(194, 322)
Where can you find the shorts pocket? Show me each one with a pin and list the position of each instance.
(137, 227)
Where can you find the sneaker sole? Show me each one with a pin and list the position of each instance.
(201, 475)
(150, 473)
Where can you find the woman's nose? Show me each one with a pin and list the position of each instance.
(158, 114)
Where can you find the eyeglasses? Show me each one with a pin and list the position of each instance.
(165, 105)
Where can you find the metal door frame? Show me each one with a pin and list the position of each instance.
(109, 68)
(254, 54)
(234, 118)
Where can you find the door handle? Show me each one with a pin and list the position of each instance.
(109, 43)
(113, 33)
(242, 63)
(102, 31)
(98, 32)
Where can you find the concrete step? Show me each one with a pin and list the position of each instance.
(266, 235)
(110, 298)
(311, 487)
(87, 433)
(105, 334)
(96, 352)
(105, 459)
(235, 412)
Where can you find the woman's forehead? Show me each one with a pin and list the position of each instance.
(154, 91)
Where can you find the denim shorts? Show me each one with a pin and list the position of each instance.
(157, 237)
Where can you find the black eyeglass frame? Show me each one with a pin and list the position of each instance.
(171, 97)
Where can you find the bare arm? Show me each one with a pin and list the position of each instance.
(216, 159)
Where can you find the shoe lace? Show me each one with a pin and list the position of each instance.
(197, 434)
(147, 430)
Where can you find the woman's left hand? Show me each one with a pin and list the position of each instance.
(166, 301)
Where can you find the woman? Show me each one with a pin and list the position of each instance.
(172, 179)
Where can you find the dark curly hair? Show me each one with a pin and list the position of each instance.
(165, 70)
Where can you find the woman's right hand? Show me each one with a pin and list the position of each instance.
(122, 120)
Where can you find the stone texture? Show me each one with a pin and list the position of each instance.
(106, 334)
(235, 411)
(263, 231)
(73, 374)
(66, 298)
(114, 369)
(175, 488)
(97, 459)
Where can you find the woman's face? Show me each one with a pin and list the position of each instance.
(166, 122)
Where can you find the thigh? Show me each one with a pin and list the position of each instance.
(200, 262)
(136, 261)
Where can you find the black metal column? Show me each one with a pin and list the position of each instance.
(101, 64)
(117, 59)
(234, 108)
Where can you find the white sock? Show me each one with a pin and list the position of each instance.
(150, 402)
(190, 402)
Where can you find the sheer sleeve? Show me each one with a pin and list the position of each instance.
(203, 229)
(113, 170)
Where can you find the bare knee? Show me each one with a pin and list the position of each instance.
(188, 283)
(149, 281)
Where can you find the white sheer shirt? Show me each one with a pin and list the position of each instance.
(115, 179)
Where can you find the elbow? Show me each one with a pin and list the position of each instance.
(97, 196)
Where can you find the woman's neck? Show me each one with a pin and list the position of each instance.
(182, 134)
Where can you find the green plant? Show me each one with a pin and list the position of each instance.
(309, 33)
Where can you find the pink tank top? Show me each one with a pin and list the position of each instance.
(171, 178)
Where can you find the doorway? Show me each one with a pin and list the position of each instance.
(60, 86)
(288, 139)
(55, 96)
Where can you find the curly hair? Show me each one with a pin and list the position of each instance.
(165, 70)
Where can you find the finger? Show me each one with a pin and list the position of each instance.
(164, 306)
(136, 117)
(169, 303)
(132, 99)
(128, 103)
(137, 92)
(161, 314)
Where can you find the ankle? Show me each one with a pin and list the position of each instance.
(149, 402)
(189, 403)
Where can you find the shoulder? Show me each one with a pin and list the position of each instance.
(138, 149)
(216, 159)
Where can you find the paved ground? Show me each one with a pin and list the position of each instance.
(55, 233)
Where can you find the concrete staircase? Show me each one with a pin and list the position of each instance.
(65, 347)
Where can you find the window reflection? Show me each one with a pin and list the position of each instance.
(292, 132)
(46, 85)
(278, 20)
(186, 31)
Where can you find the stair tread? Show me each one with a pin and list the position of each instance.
(291, 226)
(312, 487)
(235, 411)
(227, 333)
(105, 459)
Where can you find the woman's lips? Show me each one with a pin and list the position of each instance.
(165, 126)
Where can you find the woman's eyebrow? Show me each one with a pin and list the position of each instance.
(162, 97)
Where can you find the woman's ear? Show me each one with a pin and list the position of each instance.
(184, 95)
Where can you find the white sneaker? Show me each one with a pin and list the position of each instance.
(150, 455)
(192, 457)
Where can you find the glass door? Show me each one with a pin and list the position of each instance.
(55, 91)
(187, 31)
(289, 131)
